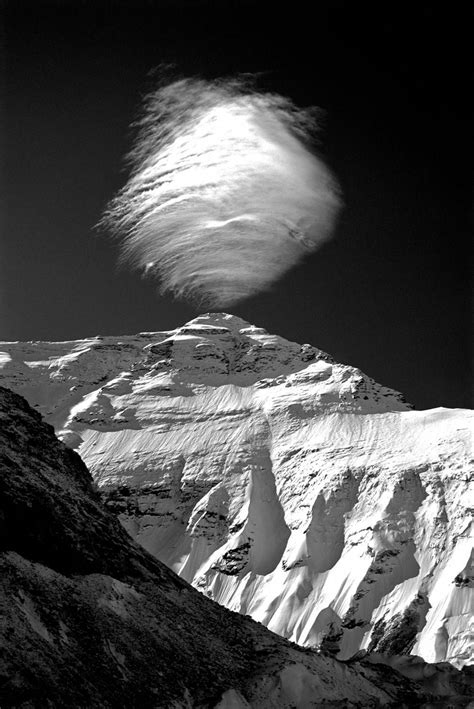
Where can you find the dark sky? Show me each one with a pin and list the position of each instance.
(389, 294)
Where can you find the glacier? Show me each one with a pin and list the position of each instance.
(278, 482)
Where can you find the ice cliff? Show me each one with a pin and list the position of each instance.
(89, 619)
(278, 482)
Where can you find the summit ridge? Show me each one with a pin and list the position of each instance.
(278, 482)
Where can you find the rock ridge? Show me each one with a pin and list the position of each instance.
(89, 618)
(280, 483)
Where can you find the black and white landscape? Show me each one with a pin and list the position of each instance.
(234, 509)
(279, 483)
(90, 619)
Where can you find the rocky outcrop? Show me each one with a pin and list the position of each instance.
(278, 482)
(89, 618)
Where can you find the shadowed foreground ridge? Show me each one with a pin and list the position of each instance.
(88, 618)
(278, 482)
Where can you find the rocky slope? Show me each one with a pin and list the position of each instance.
(278, 482)
(89, 619)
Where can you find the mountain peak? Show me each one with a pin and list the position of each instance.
(213, 350)
(227, 320)
(279, 482)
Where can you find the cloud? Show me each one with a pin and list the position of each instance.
(225, 192)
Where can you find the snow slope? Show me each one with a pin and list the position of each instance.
(280, 483)
(89, 619)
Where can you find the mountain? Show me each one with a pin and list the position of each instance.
(278, 482)
(89, 619)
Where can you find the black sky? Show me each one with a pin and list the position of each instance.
(391, 292)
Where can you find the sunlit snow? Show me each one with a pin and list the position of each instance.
(278, 482)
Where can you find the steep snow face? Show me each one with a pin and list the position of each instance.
(280, 483)
(90, 619)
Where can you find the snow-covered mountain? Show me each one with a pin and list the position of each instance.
(89, 619)
(278, 482)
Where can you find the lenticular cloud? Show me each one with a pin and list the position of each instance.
(225, 192)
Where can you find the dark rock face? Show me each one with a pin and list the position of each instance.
(50, 512)
(89, 619)
(397, 636)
